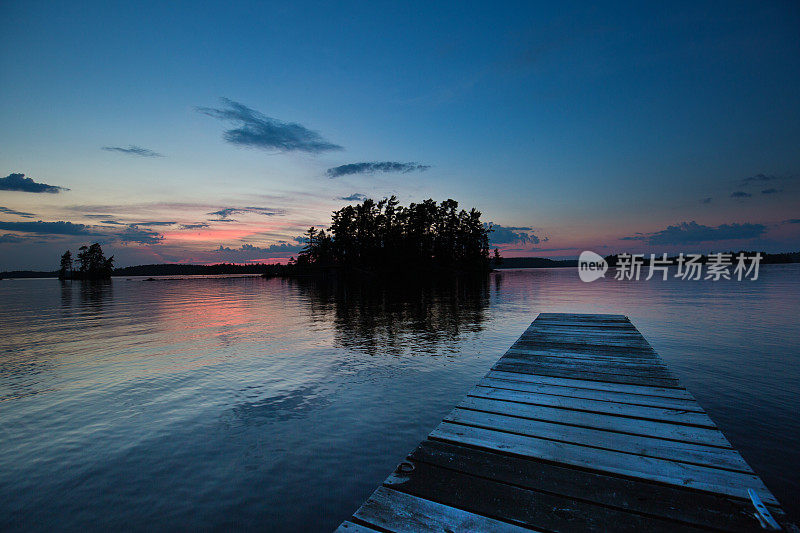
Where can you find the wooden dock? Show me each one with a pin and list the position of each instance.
(579, 426)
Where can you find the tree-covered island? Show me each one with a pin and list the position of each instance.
(92, 264)
(385, 237)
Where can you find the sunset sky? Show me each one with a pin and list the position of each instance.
(202, 132)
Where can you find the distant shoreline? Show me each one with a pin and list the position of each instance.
(160, 270)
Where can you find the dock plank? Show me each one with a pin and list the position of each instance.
(523, 368)
(634, 496)
(638, 466)
(592, 394)
(666, 392)
(675, 416)
(725, 458)
(580, 426)
(401, 512)
(619, 424)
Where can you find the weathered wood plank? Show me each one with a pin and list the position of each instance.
(579, 347)
(635, 369)
(619, 424)
(350, 527)
(585, 317)
(660, 470)
(590, 340)
(517, 504)
(675, 416)
(592, 385)
(626, 330)
(725, 458)
(522, 368)
(587, 325)
(583, 357)
(593, 394)
(636, 496)
(401, 512)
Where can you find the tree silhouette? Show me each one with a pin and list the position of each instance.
(386, 236)
(92, 264)
(65, 272)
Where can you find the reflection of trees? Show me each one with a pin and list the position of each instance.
(387, 318)
(95, 293)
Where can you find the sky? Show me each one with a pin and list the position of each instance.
(204, 132)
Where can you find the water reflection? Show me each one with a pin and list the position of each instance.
(296, 403)
(385, 318)
(281, 404)
(95, 293)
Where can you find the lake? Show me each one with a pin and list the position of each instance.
(247, 403)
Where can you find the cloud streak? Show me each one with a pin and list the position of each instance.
(49, 228)
(513, 234)
(130, 234)
(9, 238)
(692, 233)
(248, 252)
(740, 194)
(136, 235)
(373, 167)
(355, 197)
(9, 211)
(225, 213)
(132, 150)
(759, 178)
(18, 182)
(255, 130)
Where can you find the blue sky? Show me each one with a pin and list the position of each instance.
(572, 125)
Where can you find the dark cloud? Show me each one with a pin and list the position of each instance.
(259, 131)
(248, 252)
(18, 182)
(113, 222)
(133, 150)
(224, 214)
(9, 238)
(154, 223)
(130, 234)
(692, 232)
(759, 178)
(740, 194)
(706, 200)
(512, 234)
(9, 211)
(135, 234)
(194, 226)
(355, 197)
(375, 166)
(49, 228)
(771, 191)
(792, 221)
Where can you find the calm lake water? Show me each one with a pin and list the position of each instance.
(220, 403)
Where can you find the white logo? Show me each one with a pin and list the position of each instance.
(591, 266)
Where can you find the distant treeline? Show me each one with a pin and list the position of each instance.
(532, 262)
(766, 259)
(156, 270)
(191, 270)
(260, 268)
